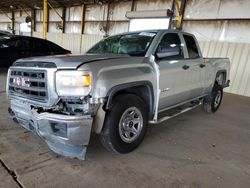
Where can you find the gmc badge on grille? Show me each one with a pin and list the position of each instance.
(20, 81)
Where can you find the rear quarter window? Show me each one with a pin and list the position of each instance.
(191, 47)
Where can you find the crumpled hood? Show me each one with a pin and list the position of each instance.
(71, 61)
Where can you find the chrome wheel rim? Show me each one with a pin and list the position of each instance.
(130, 125)
(217, 99)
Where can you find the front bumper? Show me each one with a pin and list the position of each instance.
(65, 134)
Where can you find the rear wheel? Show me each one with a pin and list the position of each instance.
(212, 102)
(125, 124)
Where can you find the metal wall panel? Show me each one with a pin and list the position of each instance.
(56, 38)
(94, 28)
(224, 31)
(118, 10)
(74, 13)
(4, 18)
(5, 22)
(39, 27)
(53, 27)
(39, 15)
(38, 34)
(214, 9)
(95, 19)
(5, 26)
(89, 40)
(239, 55)
(73, 42)
(96, 12)
(118, 27)
(53, 15)
(73, 27)
(153, 4)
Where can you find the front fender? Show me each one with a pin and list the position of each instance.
(109, 77)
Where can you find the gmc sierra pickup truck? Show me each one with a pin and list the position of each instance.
(116, 89)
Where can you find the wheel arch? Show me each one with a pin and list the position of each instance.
(143, 89)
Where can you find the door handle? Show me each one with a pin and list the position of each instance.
(202, 65)
(185, 67)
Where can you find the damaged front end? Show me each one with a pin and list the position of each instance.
(64, 122)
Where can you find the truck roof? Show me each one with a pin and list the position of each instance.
(155, 31)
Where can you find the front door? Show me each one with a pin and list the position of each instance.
(174, 75)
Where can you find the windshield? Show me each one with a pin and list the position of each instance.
(134, 44)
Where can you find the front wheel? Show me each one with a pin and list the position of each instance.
(125, 124)
(212, 102)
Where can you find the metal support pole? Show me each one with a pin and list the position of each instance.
(133, 6)
(107, 21)
(48, 19)
(179, 14)
(63, 19)
(170, 26)
(33, 21)
(13, 21)
(183, 7)
(82, 26)
(180, 9)
(45, 18)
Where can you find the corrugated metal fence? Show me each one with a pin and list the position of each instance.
(77, 43)
(239, 55)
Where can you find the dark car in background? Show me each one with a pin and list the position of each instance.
(13, 47)
(4, 33)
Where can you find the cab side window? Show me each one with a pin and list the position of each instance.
(170, 47)
(191, 47)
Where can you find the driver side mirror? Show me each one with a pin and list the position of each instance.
(168, 52)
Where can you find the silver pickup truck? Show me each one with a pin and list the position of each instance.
(116, 89)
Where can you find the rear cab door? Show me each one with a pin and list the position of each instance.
(196, 66)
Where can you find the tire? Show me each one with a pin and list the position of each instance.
(127, 112)
(211, 103)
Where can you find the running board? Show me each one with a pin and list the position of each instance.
(167, 117)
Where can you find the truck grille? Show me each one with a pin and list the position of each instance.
(30, 84)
